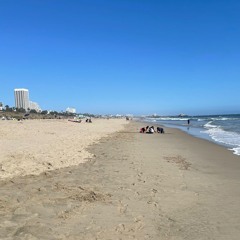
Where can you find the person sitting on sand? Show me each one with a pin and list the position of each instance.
(160, 130)
(153, 128)
(142, 130)
(89, 120)
(150, 130)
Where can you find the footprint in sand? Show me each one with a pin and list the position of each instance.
(122, 208)
(120, 228)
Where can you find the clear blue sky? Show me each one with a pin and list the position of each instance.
(122, 56)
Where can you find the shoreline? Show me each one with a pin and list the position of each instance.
(195, 133)
(208, 146)
(168, 186)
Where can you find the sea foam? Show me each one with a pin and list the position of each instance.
(231, 139)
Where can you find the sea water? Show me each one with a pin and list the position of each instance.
(221, 129)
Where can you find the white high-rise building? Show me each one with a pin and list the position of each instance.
(71, 110)
(21, 98)
(34, 106)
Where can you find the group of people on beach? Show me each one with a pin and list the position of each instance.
(89, 120)
(151, 130)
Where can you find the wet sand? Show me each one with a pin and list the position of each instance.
(136, 186)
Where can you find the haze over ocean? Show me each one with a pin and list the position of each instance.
(128, 56)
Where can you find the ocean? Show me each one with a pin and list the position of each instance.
(221, 129)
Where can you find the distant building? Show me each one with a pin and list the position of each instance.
(21, 98)
(34, 106)
(1, 106)
(71, 110)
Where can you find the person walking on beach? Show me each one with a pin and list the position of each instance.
(188, 121)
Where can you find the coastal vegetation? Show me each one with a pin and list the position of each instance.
(20, 113)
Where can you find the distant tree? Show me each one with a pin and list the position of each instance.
(54, 113)
(88, 115)
(21, 110)
(44, 112)
(8, 109)
(68, 114)
(64, 114)
(33, 111)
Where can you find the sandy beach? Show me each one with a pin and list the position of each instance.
(168, 186)
(36, 146)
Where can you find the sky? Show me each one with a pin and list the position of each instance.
(122, 56)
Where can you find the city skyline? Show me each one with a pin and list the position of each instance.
(124, 56)
(22, 101)
(35, 106)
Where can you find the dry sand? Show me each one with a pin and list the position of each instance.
(36, 146)
(137, 186)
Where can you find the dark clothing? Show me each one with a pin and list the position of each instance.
(160, 130)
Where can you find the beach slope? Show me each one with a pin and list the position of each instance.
(136, 186)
